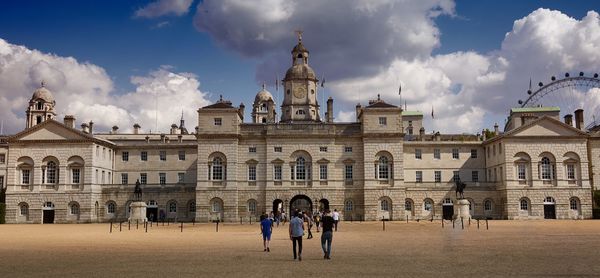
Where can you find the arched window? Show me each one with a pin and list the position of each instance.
(24, 209)
(252, 206)
(74, 208)
(428, 205)
(51, 177)
(111, 208)
(408, 205)
(216, 205)
(524, 205)
(383, 168)
(263, 107)
(487, 205)
(385, 205)
(39, 105)
(574, 204)
(300, 168)
(173, 206)
(217, 169)
(546, 169)
(348, 205)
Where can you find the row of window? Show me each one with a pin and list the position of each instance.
(103, 153)
(111, 206)
(525, 204)
(347, 149)
(438, 176)
(385, 204)
(73, 208)
(50, 174)
(162, 155)
(437, 154)
(162, 178)
(493, 149)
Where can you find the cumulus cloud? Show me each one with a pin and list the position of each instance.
(86, 91)
(164, 7)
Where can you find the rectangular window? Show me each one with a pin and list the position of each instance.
(438, 176)
(323, 149)
(455, 154)
(382, 121)
(347, 149)
(163, 155)
(1, 181)
(180, 177)
(103, 153)
(75, 175)
(124, 178)
(436, 154)
(125, 156)
(143, 178)
(418, 154)
(500, 148)
(500, 172)
(475, 176)
(323, 172)
(455, 176)
(419, 176)
(181, 155)
(144, 156)
(103, 175)
(218, 121)
(348, 172)
(2, 158)
(25, 177)
(570, 171)
(162, 178)
(251, 149)
(277, 172)
(277, 149)
(521, 174)
(473, 153)
(252, 172)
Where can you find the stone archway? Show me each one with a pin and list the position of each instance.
(301, 203)
(277, 206)
(323, 204)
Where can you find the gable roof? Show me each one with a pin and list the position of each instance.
(48, 124)
(538, 121)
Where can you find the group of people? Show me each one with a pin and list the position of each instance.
(327, 221)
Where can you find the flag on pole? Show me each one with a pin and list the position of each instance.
(433, 117)
(323, 81)
(276, 83)
(530, 83)
(400, 89)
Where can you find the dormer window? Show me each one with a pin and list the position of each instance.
(39, 105)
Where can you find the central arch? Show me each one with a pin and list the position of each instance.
(301, 203)
(277, 207)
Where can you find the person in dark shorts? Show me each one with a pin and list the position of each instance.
(266, 229)
(296, 233)
(327, 223)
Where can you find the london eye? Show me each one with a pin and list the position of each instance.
(569, 93)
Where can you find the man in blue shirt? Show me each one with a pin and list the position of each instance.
(296, 233)
(266, 228)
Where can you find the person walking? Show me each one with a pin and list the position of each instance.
(309, 223)
(336, 218)
(327, 235)
(296, 233)
(266, 229)
(317, 220)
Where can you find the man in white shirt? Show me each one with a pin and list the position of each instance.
(336, 218)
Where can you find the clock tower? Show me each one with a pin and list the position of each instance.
(300, 88)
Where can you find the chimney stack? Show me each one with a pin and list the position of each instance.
(483, 135)
(496, 132)
(162, 137)
(115, 129)
(136, 129)
(569, 119)
(579, 118)
(91, 127)
(241, 111)
(85, 128)
(358, 109)
(329, 110)
(174, 129)
(69, 121)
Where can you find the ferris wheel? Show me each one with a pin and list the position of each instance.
(569, 93)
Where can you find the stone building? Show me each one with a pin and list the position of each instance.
(382, 166)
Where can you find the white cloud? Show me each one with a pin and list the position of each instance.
(164, 7)
(86, 91)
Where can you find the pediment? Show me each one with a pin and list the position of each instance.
(546, 127)
(50, 131)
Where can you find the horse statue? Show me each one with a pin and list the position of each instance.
(460, 188)
(137, 192)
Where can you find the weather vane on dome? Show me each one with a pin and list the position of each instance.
(299, 34)
(43, 83)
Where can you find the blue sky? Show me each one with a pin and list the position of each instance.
(194, 43)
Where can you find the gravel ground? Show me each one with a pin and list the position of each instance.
(508, 248)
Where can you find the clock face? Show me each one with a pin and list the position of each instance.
(299, 92)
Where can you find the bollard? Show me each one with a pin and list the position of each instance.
(442, 222)
(469, 221)
(182, 227)
(407, 219)
(477, 224)
(240, 221)
(462, 223)
(350, 218)
(110, 227)
(452, 223)
(486, 224)
(250, 219)
(383, 221)
(129, 225)
(150, 224)
(120, 223)
(217, 225)
(137, 224)
(146, 227)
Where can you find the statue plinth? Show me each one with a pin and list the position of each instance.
(138, 212)
(461, 209)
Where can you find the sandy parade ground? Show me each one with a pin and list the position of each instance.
(508, 248)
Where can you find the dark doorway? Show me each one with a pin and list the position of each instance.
(277, 207)
(447, 212)
(301, 203)
(48, 217)
(549, 211)
(152, 214)
(323, 204)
